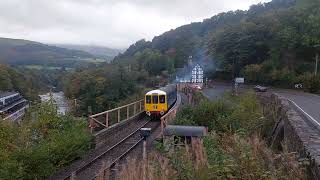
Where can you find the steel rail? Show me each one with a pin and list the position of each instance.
(105, 152)
(123, 154)
(119, 157)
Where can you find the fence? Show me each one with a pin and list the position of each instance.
(113, 116)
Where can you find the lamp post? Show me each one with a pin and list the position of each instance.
(145, 133)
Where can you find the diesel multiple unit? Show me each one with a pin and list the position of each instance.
(158, 102)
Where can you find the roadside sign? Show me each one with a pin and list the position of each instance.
(239, 80)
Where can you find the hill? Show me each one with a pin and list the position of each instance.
(193, 39)
(24, 52)
(274, 43)
(98, 51)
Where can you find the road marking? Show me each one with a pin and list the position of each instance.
(314, 120)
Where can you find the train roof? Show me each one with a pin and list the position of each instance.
(157, 91)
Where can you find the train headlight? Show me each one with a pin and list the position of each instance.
(161, 112)
(148, 113)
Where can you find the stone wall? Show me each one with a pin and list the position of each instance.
(294, 131)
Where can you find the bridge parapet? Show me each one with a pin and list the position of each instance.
(294, 131)
(114, 116)
(169, 116)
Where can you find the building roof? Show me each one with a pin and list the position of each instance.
(12, 105)
(6, 93)
(190, 131)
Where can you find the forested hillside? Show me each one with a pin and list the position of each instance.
(24, 52)
(29, 82)
(273, 43)
(98, 51)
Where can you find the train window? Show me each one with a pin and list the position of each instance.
(162, 98)
(155, 99)
(148, 99)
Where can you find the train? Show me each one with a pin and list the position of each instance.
(159, 101)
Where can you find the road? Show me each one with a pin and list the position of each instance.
(309, 104)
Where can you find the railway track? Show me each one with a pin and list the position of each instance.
(109, 157)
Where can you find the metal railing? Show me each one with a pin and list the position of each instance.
(113, 116)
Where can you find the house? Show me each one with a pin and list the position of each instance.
(12, 106)
(191, 73)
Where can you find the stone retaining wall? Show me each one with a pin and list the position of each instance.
(293, 130)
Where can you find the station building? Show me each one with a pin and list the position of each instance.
(12, 106)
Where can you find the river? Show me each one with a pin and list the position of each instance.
(59, 101)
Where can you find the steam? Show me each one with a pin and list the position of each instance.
(198, 56)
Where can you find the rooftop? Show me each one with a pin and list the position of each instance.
(6, 93)
(191, 131)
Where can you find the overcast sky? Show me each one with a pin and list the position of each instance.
(112, 23)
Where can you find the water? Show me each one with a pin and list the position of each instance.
(59, 101)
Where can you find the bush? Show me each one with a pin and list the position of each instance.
(227, 115)
(42, 144)
(310, 82)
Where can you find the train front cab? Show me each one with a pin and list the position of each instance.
(156, 103)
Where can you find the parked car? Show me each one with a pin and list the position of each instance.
(259, 88)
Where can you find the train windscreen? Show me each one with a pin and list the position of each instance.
(148, 99)
(155, 99)
(162, 99)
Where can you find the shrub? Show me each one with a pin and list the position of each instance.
(43, 143)
(310, 82)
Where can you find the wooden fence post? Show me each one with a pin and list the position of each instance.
(128, 111)
(140, 106)
(107, 119)
(119, 115)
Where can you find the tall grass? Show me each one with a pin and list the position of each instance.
(227, 157)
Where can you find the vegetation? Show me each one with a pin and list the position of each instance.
(108, 86)
(29, 82)
(43, 143)
(234, 148)
(273, 43)
(275, 46)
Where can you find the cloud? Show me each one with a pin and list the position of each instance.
(113, 23)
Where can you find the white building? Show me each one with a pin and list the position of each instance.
(197, 74)
(12, 106)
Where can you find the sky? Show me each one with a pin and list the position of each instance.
(111, 23)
